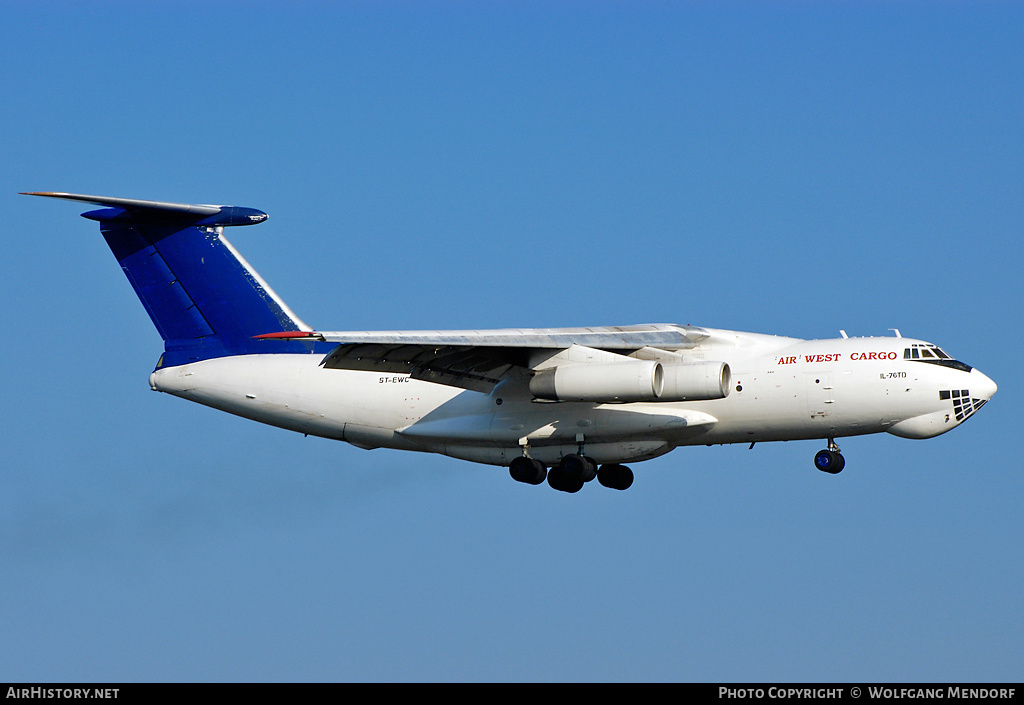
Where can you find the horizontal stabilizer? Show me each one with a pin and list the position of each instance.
(291, 335)
(128, 210)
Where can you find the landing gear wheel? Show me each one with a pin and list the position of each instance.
(830, 461)
(560, 480)
(578, 467)
(615, 476)
(528, 470)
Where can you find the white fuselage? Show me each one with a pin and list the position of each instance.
(781, 389)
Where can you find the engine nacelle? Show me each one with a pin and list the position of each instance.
(696, 381)
(633, 380)
(629, 380)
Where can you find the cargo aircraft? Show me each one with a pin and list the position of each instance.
(565, 405)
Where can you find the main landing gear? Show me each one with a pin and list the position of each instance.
(830, 460)
(571, 473)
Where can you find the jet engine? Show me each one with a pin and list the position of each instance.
(696, 381)
(632, 380)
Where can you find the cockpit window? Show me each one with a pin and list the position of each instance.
(925, 352)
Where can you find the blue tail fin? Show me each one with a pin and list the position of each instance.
(204, 298)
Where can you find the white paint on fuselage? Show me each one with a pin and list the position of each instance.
(781, 389)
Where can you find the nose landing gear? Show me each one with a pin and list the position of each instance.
(830, 460)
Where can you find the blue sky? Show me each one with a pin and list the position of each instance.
(793, 168)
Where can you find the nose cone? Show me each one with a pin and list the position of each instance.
(982, 387)
(958, 405)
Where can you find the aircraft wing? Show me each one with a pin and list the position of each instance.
(480, 359)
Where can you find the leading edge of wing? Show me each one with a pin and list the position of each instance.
(656, 335)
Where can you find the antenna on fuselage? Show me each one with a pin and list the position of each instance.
(896, 331)
(843, 333)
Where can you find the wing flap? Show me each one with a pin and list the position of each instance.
(466, 367)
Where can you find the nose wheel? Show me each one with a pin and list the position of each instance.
(830, 460)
